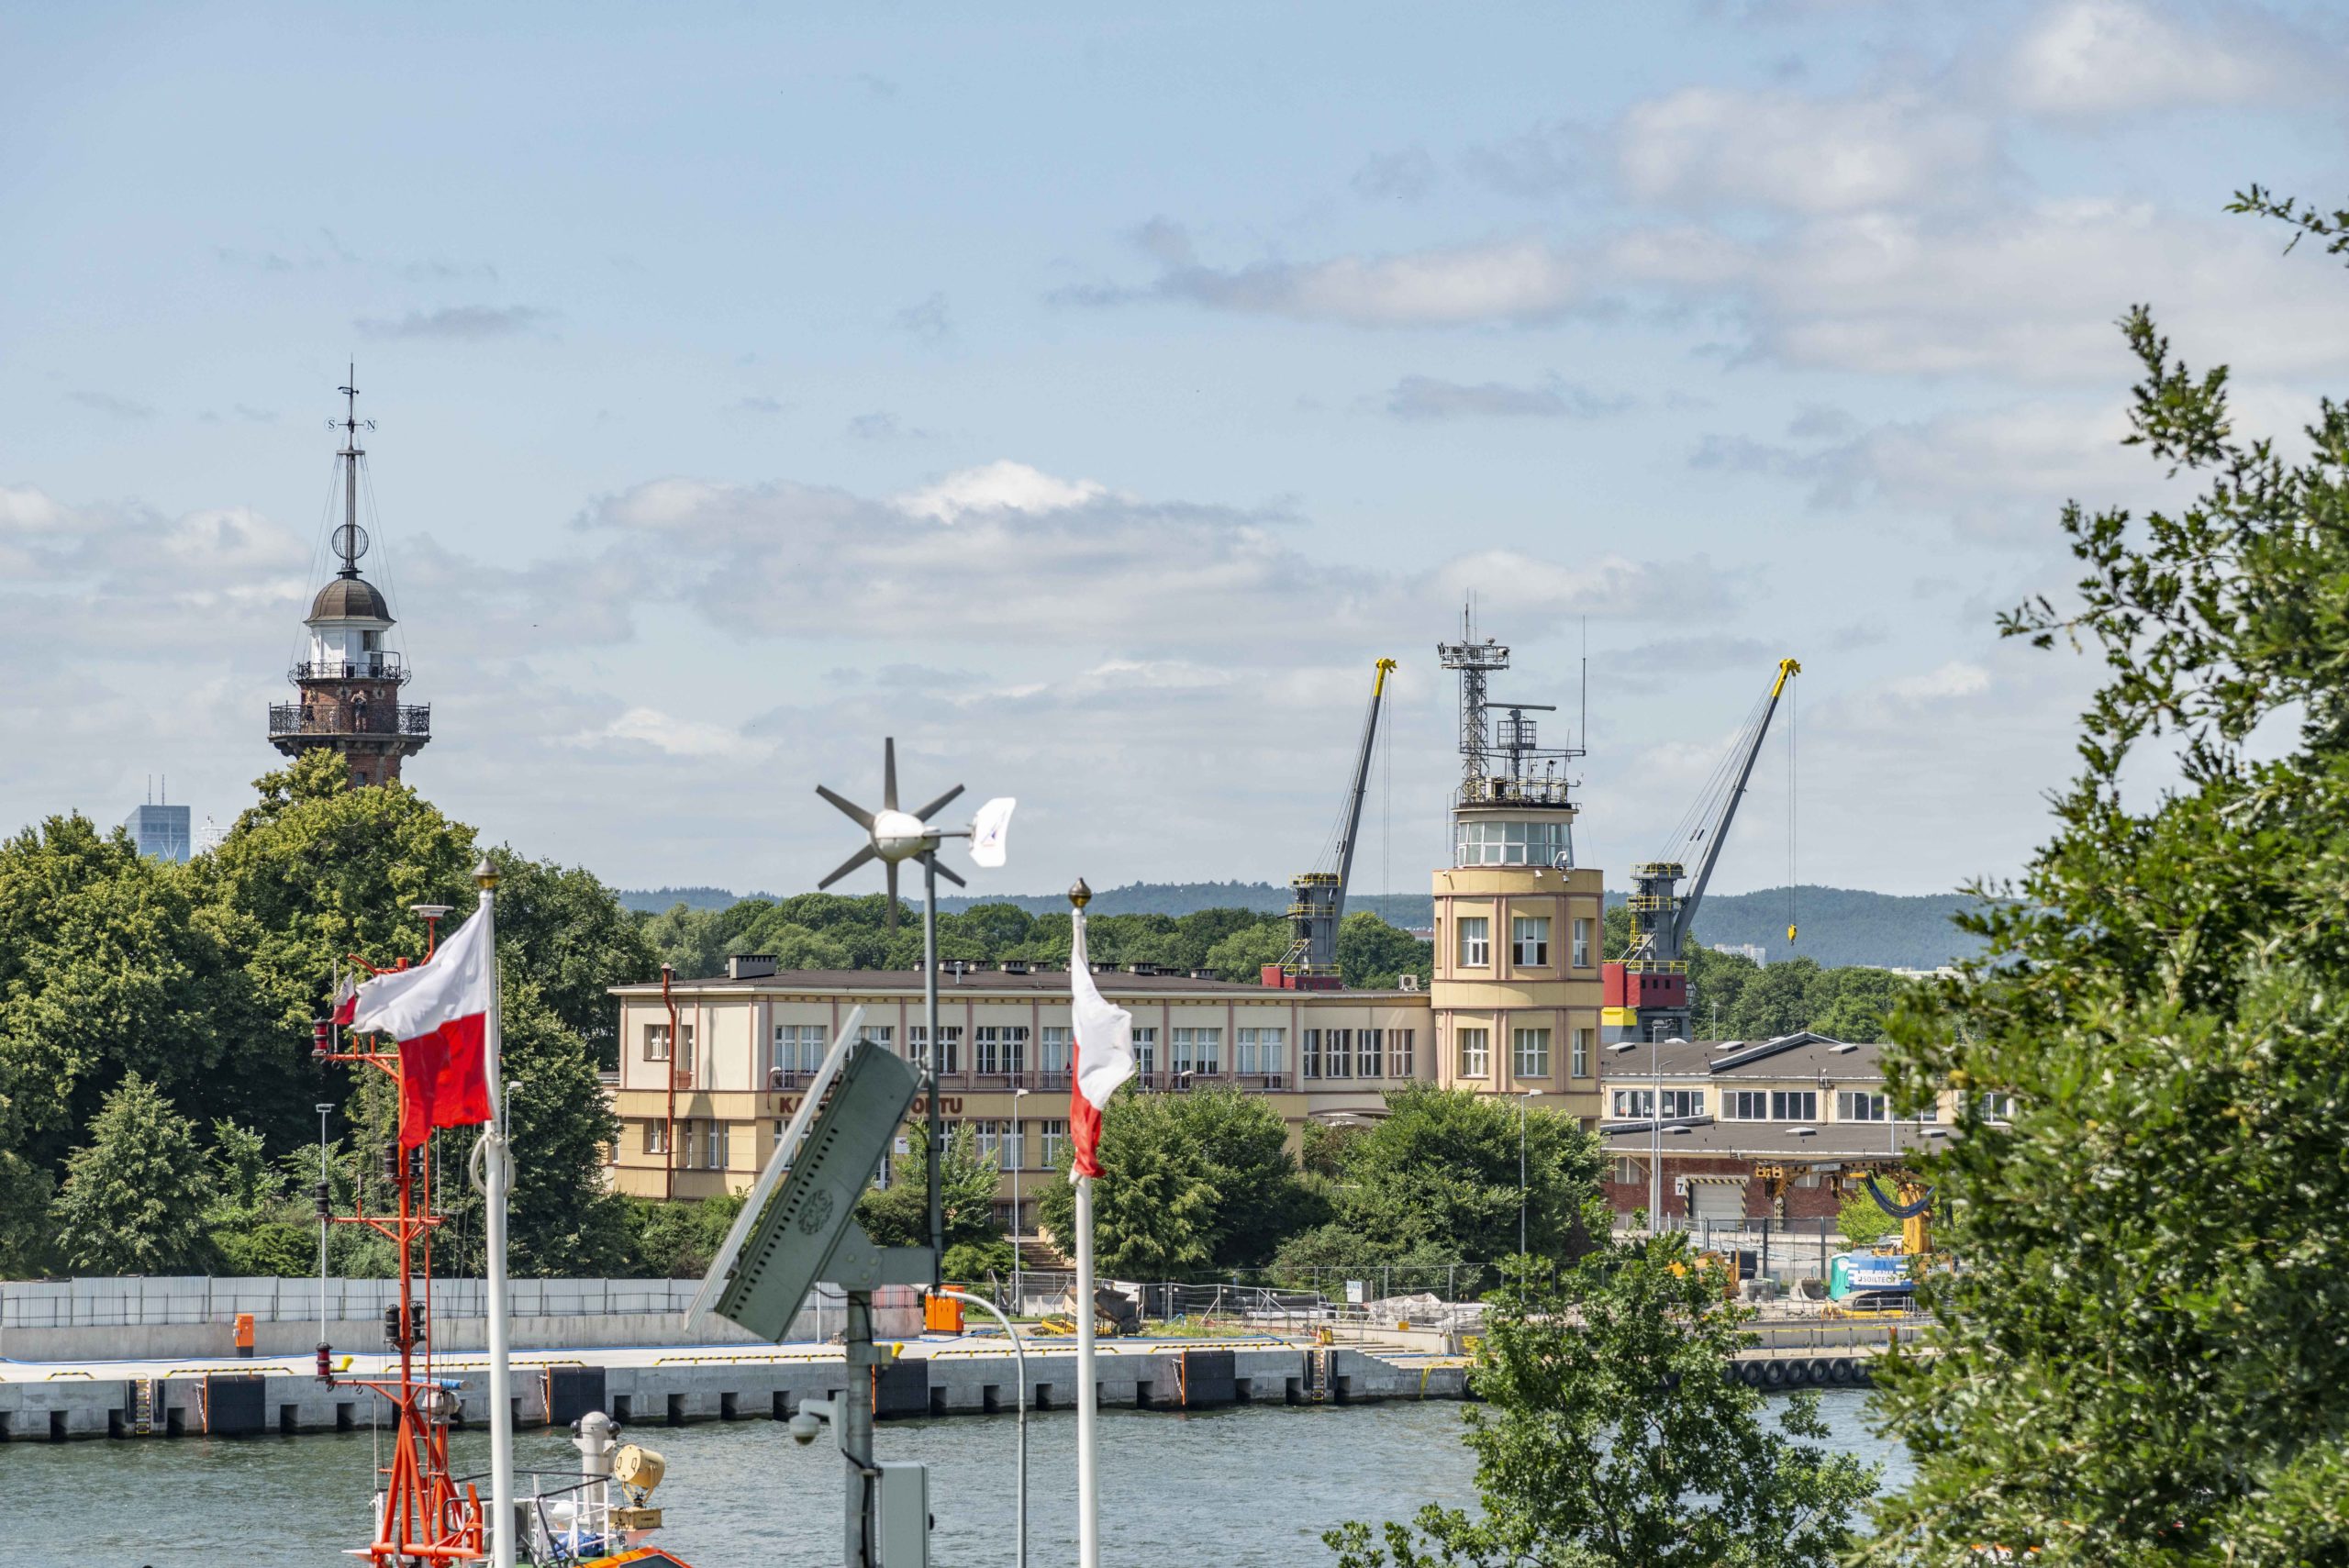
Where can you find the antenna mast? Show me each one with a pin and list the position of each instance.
(349, 542)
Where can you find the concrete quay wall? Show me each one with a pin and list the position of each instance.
(724, 1385)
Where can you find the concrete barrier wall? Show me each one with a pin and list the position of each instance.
(457, 1322)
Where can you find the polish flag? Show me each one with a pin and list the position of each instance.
(346, 999)
(1105, 1055)
(440, 1013)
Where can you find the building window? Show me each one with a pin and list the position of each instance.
(1312, 1042)
(799, 1048)
(1054, 1135)
(1475, 1052)
(1638, 1103)
(1055, 1053)
(1530, 941)
(1370, 1053)
(1627, 1172)
(1000, 1050)
(1339, 1058)
(1745, 1105)
(1794, 1104)
(1529, 1052)
(1398, 1053)
(1548, 843)
(1145, 1052)
(1199, 1051)
(883, 1035)
(1993, 1106)
(1476, 941)
(1684, 1102)
(1582, 947)
(1858, 1105)
(998, 1144)
(656, 1041)
(950, 1047)
(1262, 1051)
(656, 1138)
(714, 1146)
(1582, 1052)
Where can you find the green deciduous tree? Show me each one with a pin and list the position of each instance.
(1155, 1207)
(108, 966)
(680, 1240)
(1613, 1435)
(2141, 1360)
(135, 1195)
(1434, 1182)
(570, 935)
(1375, 954)
(899, 1215)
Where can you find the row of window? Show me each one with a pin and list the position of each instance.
(1001, 1050)
(708, 1145)
(1359, 1053)
(1772, 1104)
(1529, 937)
(1529, 1052)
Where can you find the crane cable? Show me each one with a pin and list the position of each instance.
(1793, 703)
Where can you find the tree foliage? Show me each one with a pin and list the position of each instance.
(1434, 1183)
(1612, 1432)
(2141, 1360)
(135, 1195)
(899, 1215)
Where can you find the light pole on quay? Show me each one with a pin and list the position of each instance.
(1525, 1099)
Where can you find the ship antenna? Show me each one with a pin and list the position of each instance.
(349, 540)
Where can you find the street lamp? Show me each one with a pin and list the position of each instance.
(1020, 1355)
(325, 1197)
(1019, 1158)
(1525, 1099)
(1655, 1128)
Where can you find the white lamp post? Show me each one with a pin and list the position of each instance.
(1019, 1159)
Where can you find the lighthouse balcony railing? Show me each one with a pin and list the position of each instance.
(383, 666)
(384, 719)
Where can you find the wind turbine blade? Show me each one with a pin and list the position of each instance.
(935, 806)
(892, 898)
(850, 864)
(889, 774)
(943, 869)
(848, 808)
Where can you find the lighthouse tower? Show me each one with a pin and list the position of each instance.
(349, 682)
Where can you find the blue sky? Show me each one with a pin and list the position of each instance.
(1087, 398)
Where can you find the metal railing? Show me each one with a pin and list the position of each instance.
(382, 718)
(376, 667)
(142, 1301)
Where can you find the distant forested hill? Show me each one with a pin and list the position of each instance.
(1838, 925)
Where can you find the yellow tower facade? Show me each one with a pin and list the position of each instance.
(1516, 996)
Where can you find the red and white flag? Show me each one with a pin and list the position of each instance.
(346, 999)
(440, 1013)
(1105, 1055)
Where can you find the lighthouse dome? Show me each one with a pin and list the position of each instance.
(349, 598)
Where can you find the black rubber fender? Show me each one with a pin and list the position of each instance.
(1774, 1374)
(1842, 1372)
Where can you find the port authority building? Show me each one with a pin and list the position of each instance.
(1520, 1005)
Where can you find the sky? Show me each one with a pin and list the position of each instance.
(1087, 396)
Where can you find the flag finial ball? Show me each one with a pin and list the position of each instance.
(1080, 894)
(485, 874)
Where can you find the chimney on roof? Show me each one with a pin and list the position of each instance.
(1203, 975)
(1141, 969)
(749, 965)
(1015, 966)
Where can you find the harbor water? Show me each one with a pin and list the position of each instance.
(1239, 1487)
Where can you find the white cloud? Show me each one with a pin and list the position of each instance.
(1708, 147)
(999, 486)
(1955, 679)
(1425, 397)
(2033, 295)
(677, 736)
(1510, 281)
(2087, 57)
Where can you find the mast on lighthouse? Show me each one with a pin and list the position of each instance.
(350, 680)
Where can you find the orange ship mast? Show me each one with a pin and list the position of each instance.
(424, 1517)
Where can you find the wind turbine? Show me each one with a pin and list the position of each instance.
(894, 837)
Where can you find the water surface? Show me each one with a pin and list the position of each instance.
(1244, 1487)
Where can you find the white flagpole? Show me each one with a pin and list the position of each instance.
(1088, 1494)
(497, 1180)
